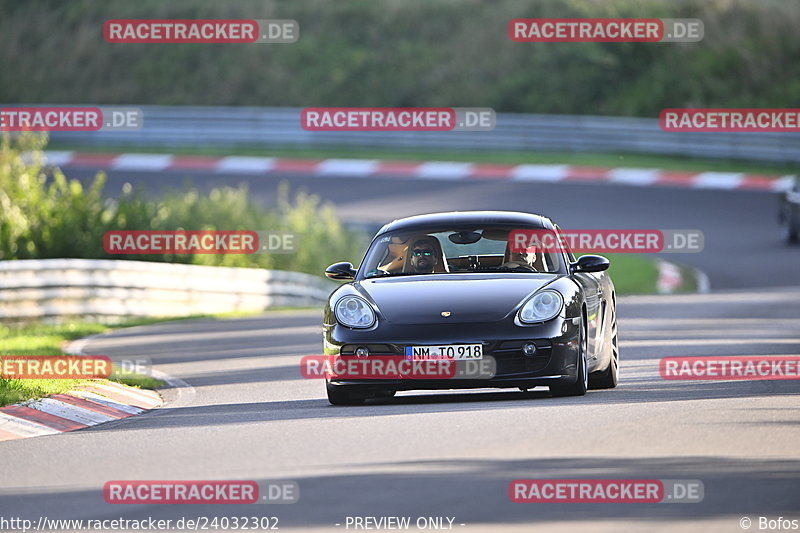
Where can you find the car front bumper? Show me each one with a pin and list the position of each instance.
(554, 363)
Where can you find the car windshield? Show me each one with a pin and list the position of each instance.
(443, 251)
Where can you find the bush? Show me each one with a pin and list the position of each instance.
(45, 215)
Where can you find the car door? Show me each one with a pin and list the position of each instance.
(592, 288)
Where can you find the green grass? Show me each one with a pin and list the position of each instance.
(510, 158)
(632, 273)
(42, 339)
(638, 274)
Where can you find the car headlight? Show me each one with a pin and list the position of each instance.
(543, 306)
(354, 312)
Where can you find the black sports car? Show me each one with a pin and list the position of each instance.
(453, 287)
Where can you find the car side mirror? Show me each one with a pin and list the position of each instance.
(590, 263)
(341, 271)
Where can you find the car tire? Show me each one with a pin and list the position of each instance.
(581, 384)
(608, 378)
(791, 229)
(341, 395)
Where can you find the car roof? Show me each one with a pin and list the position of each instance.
(468, 219)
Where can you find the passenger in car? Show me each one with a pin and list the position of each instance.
(423, 256)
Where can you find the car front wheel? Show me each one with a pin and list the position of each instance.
(608, 378)
(791, 229)
(581, 384)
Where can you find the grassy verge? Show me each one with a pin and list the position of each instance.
(632, 273)
(40, 339)
(49, 340)
(638, 274)
(510, 158)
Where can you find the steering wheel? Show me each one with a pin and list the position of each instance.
(518, 265)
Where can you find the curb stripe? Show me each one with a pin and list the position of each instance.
(92, 160)
(296, 165)
(443, 170)
(151, 162)
(91, 406)
(397, 168)
(634, 176)
(245, 164)
(484, 171)
(143, 394)
(6, 435)
(347, 167)
(193, 162)
(40, 417)
(86, 395)
(57, 158)
(587, 173)
(757, 182)
(669, 277)
(142, 402)
(23, 427)
(718, 180)
(72, 412)
(548, 173)
(435, 170)
(675, 178)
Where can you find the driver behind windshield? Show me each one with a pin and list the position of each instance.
(524, 260)
(423, 256)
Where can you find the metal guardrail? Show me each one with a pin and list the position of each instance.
(88, 288)
(280, 127)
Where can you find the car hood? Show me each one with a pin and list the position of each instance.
(468, 298)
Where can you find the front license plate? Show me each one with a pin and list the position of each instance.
(450, 352)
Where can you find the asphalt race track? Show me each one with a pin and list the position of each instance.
(243, 411)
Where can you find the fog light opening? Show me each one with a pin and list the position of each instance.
(362, 351)
(529, 349)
